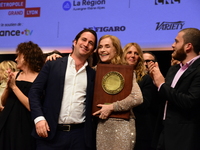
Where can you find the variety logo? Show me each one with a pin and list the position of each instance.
(84, 5)
(158, 2)
(170, 25)
(16, 32)
(108, 29)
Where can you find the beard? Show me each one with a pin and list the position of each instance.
(179, 54)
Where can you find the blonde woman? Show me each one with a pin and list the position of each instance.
(4, 67)
(146, 113)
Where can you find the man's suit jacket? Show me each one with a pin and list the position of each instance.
(50, 83)
(182, 123)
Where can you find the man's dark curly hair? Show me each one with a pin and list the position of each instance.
(33, 55)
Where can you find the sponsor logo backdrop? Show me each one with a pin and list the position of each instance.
(53, 24)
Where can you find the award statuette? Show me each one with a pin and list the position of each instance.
(112, 83)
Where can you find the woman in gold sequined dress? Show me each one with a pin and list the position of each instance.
(116, 133)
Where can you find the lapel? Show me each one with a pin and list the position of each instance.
(63, 67)
(191, 69)
(171, 73)
(88, 80)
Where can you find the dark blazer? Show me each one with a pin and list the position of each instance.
(50, 83)
(144, 113)
(182, 123)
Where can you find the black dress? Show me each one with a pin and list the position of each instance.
(15, 122)
(146, 114)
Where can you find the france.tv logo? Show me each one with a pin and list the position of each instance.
(66, 5)
(27, 32)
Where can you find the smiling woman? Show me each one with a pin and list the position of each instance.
(112, 130)
(109, 50)
(133, 55)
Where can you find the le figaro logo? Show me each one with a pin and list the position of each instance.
(25, 32)
(81, 5)
(108, 28)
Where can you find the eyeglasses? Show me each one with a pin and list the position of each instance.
(148, 60)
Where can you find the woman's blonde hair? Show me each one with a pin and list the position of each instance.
(140, 69)
(4, 66)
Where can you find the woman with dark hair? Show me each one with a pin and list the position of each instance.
(16, 124)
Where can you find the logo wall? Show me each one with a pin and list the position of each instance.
(162, 2)
(170, 25)
(108, 28)
(19, 4)
(26, 32)
(81, 5)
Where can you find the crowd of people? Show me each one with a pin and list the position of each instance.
(46, 99)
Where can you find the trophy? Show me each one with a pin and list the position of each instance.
(112, 83)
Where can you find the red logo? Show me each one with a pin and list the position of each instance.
(19, 4)
(32, 12)
(12, 4)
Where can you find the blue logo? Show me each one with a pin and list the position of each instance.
(66, 5)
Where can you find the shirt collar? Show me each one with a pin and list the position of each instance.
(71, 61)
(189, 63)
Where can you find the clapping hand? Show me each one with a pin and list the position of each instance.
(155, 73)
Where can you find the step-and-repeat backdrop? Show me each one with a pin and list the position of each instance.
(53, 24)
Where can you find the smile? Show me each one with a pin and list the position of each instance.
(103, 54)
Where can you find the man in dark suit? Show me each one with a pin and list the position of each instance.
(180, 92)
(61, 99)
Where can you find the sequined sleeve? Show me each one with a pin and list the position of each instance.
(132, 100)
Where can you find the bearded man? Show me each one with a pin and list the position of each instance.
(180, 92)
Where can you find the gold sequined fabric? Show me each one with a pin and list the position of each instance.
(134, 99)
(116, 133)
